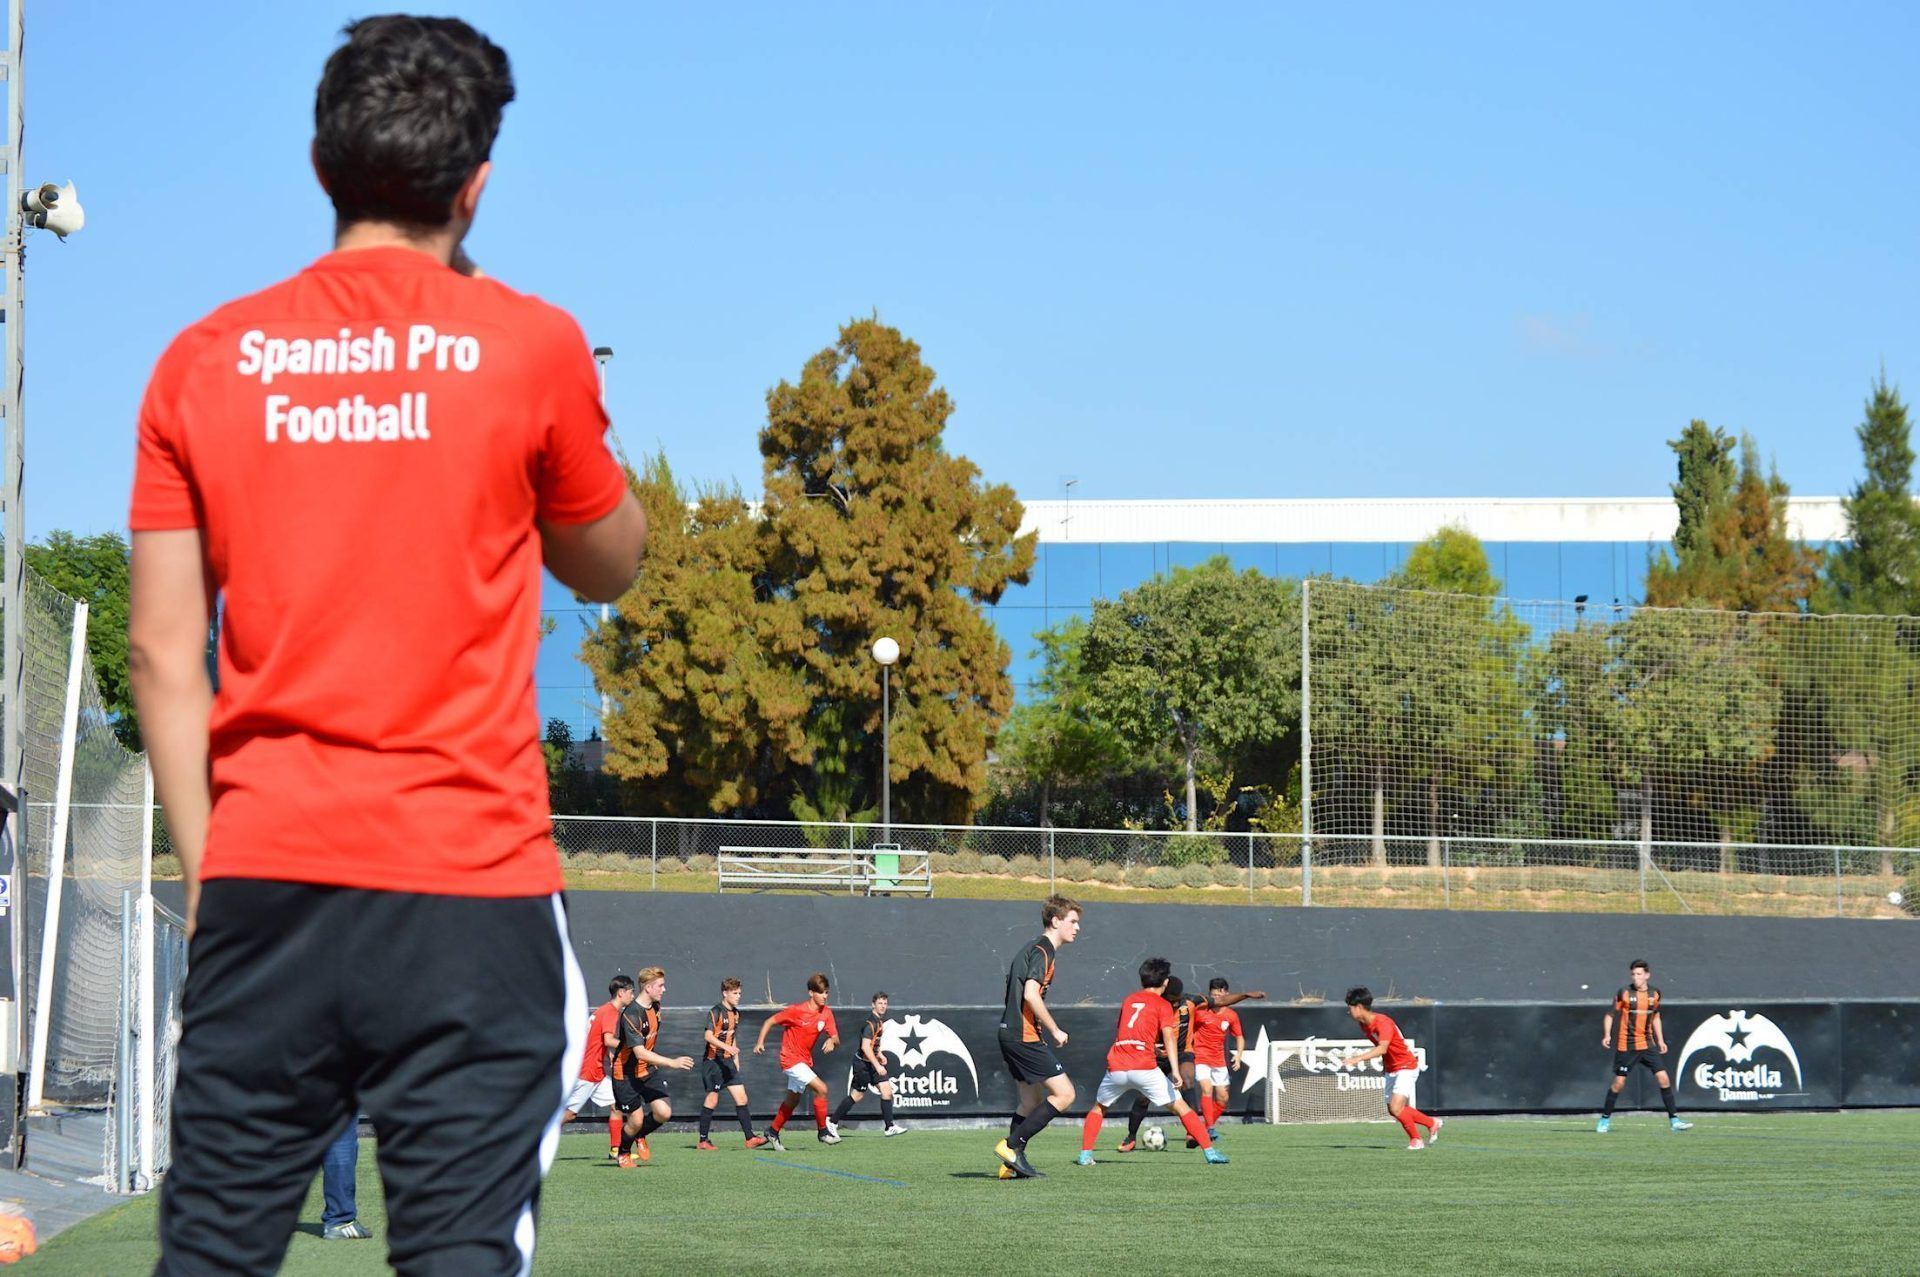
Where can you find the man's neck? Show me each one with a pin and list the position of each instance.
(439, 245)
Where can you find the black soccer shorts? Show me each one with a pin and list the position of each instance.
(1029, 1061)
(637, 1093)
(864, 1078)
(718, 1075)
(1623, 1062)
(455, 1023)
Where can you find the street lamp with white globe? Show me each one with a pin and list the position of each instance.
(886, 651)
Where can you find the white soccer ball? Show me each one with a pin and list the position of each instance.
(1153, 1139)
(1895, 898)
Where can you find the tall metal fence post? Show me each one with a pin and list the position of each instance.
(1249, 866)
(1446, 872)
(1050, 883)
(653, 855)
(1839, 901)
(1306, 744)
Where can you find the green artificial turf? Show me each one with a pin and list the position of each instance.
(1799, 1193)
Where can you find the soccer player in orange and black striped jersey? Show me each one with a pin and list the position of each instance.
(1639, 1038)
(1028, 1035)
(870, 1070)
(720, 1070)
(637, 1089)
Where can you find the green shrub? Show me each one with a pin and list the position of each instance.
(1074, 869)
(1160, 877)
(1109, 873)
(1192, 849)
(1197, 876)
(941, 862)
(1229, 876)
(695, 864)
(966, 862)
(1027, 867)
(1909, 890)
(166, 866)
(993, 864)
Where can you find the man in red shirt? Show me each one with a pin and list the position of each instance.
(603, 1039)
(1402, 1066)
(1213, 1021)
(366, 464)
(1146, 1019)
(802, 1025)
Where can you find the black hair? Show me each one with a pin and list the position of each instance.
(1219, 982)
(1175, 987)
(1154, 971)
(1640, 964)
(406, 110)
(618, 985)
(876, 997)
(1360, 996)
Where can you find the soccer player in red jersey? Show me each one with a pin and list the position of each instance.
(720, 1071)
(360, 470)
(1641, 1039)
(603, 1039)
(1213, 1021)
(1402, 1066)
(802, 1025)
(1146, 1019)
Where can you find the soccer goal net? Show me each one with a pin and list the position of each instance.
(1306, 1081)
(102, 961)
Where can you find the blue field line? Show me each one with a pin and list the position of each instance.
(822, 1170)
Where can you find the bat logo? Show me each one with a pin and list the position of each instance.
(1737, 1035)
(913, 1041)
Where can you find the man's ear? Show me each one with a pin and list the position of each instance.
(466, 202)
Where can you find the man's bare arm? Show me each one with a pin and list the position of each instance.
(597, 560)
(167, 665)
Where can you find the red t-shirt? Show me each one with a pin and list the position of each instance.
(365, 448)
(1142, 1016)
(1399, 1056)
(804, 1023)
(593, 1061)
(1210, 1030)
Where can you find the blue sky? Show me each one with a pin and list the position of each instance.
(1256, 251)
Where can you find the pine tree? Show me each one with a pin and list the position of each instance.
(1878, 570)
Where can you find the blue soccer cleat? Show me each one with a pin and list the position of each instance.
(1604, 1125)
(1085, 1158)
(1679, 1125)
(1215, 1157)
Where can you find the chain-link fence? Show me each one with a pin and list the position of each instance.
(644, 853)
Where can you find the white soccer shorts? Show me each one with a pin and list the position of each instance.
(1401, 1083)
(800, 1077)
(1152, 1083)
(1215, 1074)
(584, 1093)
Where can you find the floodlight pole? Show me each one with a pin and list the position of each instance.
(12, 570)
(602, 356)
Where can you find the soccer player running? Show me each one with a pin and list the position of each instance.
(638, 1091)
(1640, 1039)
(802, 1025)
(593, 1086)
(1028, 1036)
(1213, 1021)
(364, 466)
(1398, 1059)
(1175, 993)
(1146, 1018)
(870, 1071)
(720, 1070)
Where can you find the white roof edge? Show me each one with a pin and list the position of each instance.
(1389, 520)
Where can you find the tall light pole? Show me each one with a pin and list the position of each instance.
(886, 651)
(602, 356)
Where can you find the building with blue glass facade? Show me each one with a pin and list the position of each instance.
(1539, 548)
